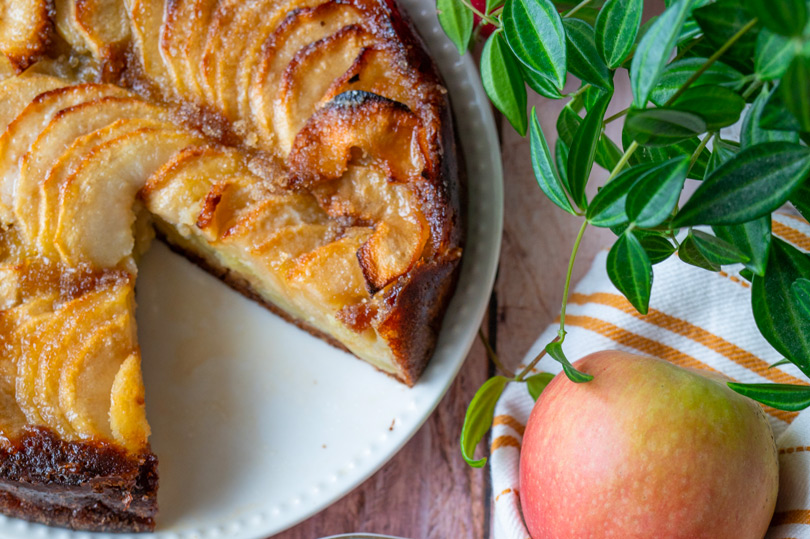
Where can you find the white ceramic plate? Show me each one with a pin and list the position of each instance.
(258, 425)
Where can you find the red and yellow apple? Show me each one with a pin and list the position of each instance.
(646, 449)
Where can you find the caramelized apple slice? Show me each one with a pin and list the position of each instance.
(394, 248)
(108, 181)
(6, 68)
(192, 47)
(67, 126)
(17, 92)
(176, 21)
(279, 250)
(308, 77)
(98, 27)
(78, 320)
(223, 204)
(146, 18)
(250, 48)
(25, 31)
(175, 192)
(400, 233)
(378, 70)
(385, 131)
(30, 337)
(226, 55)
(271, 214)
(23, 131)
(330, 275)
(299, 30)
(85, 384)
(66, 166)
(220, 18)
(127, 411)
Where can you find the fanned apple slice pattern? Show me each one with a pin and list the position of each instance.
(303, 142)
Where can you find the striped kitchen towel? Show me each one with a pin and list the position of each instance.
(696, 319)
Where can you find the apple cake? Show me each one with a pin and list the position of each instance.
(301, 150)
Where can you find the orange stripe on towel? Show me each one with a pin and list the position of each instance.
(656, 349)
(510, 422)
(504, 441)
(798, 516)
(792, 235)
(789, 450)
(682, 327)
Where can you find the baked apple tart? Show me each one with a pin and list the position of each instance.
(301, 150)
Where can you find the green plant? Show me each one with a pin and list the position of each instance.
(693, 69)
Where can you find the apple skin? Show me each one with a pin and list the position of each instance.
(646, 449)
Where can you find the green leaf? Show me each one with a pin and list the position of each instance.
(591, 95)
(608, 154)
(801, 295)
(537, 383)
(500, 73)
(540, 84)
(583, 150)
(791, 398)
(630, 270)
(718, 106)
(616, 30)
(747, 274)
(717, 251)
(554, 349)
(657, 248)
(779, 363)
(567, 124)
(561, 160)
(583, 59)
(801, 199)
(752, 133)
(478, 419)
(773, 55)
(607, 208)
(677, 73)
(651, 200)
(688, 147)
(723, 151)
(544, 170)
(778, 316)
(775, 114)
(493, 5)
(722, 20)
(786, 17)
(662, 126)
(456, 21)
(654, 49)
(751, 184)
(752, 238)
(795, 90)
(689, 253)
(535, 34)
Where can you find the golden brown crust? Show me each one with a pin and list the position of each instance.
(30, 37)
(86, 485)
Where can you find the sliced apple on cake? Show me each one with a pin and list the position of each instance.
(301, 150)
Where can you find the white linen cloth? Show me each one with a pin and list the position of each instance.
(696, 318)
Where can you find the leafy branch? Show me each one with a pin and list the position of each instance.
(695, 69)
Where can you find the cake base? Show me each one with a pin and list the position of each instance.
(86, 485)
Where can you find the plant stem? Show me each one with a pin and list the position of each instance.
(699, 150)
(530, 366)
(751, 89)
(580, 91)
(711, 60)
(576, 8)
(561, 332)
(484, 17)
(493, 357)
(623, 161)
(616, 116)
